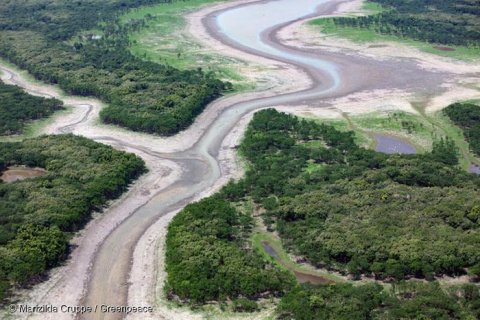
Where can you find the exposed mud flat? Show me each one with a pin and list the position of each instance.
(445, 80)
(17, 173)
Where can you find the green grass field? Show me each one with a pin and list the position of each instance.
(163, 41)
(372, 7)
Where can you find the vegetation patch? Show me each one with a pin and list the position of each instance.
(447, 28)
(389, 217)
(467, 117)
(279, 149)
(37, 215)
(17, 108)
(162, 40)
(208, 258)
(52, 40)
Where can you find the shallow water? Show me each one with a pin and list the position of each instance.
(271, 252)
(301, 277)
(474, 169)
(245, 26)
(391, 145)
(201, 168)
(13, 174)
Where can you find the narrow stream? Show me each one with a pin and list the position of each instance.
(302, 277)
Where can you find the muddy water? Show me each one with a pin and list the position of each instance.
(301, 277)
(391, 145)
(13, 174)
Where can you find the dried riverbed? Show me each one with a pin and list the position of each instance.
(119, 256)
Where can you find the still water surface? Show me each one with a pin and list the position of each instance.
(246, 25)
(391, 145)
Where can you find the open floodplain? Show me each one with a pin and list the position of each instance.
(119, 255)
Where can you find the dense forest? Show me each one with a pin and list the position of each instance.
(18, 107)
(408, 300)
(467, 117)
(356, 211)
(406, 215)
(208, 257)
(449, 22)
(54, 41)
(37, 215)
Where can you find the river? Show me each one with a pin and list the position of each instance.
(250, 28)
(109, 274)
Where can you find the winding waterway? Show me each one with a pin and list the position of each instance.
(250, 28)
(109, 274)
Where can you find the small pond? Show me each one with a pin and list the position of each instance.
(474, 169)
(16, 173)
(391, 145)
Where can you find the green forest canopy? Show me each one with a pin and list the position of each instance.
(408, 300)
(18, 108)
(449, 22)
(467, 117)
(50, 39)
(406, 214)
(208, 257)
(359, 212)
(36, 215)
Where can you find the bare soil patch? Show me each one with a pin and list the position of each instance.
(17, 173)
(444, 48)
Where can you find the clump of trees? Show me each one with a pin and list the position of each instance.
(18, 108)
(449, 22)
(407, 300)
(371, 225)
(45, 38)
(208, 258)
(360, 212)
(467, 117)
(37, 215)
